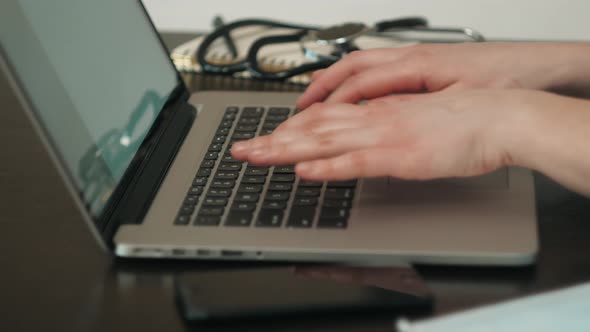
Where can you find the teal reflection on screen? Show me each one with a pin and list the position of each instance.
(97, 78)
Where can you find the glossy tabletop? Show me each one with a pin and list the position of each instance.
(55, 278)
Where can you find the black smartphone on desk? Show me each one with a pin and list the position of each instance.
(303, 292)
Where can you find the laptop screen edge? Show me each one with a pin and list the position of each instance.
(97, 224)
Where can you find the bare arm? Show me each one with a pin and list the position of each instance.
(554, 138)
(557, 67)
(427, 136)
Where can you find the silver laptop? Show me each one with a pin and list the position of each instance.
(150, 168)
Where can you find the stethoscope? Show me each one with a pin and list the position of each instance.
(339, 40)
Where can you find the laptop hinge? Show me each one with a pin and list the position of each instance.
(143, 186)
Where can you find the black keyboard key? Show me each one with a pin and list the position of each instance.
(187, 209)
(338, 223)
(219, 139)
(227, 158)
(253, 179)
(278, 111)
(215, 201)
(203, 172)
(195, 190)
(270, 125)
(342, 184)
(312, 184)
(223, 183)
(246, 197)
(282, 178)
(229, 116)
(277, 196)
(248, 121)
(191, 200)
(211, 155)
(246, 128)
(301, 217)
(275, 118)
(334, 213)
(279, 205)
(284, 169)
(207, 220)
(215, 147)
(337, 203)
(243, 206)
(219, 192)
(233, 140)
(252, 112)
(308, 192)
(265, 132)
(239, 218)
(242, 136)
(305, 201)
(208, 164)
(182, 220)
(224, 175)
(231, 110)
(339, 193)
(200, 181)
(253, 170)
(250, 188)
(222, 132)
(280, 186)
(269, 218)
(211, 211)
(233, 167)
(226, 124)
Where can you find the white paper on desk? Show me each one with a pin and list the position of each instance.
(566, 310)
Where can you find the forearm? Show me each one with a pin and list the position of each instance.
(553, 136)
(571, 68)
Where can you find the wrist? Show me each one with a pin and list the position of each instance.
(520, 135)
(548, 134)
(569, 72)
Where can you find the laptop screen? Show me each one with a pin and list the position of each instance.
(96, 77)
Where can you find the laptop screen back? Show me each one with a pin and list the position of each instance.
(96, 77)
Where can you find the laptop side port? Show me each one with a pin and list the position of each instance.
(203, 252)
(231, 253)
(179, 252)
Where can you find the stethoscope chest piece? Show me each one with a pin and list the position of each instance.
(331, 42)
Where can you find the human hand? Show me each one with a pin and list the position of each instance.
(423, 136)
(364, 75)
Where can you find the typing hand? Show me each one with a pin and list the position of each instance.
(421, 136)
(369, 74)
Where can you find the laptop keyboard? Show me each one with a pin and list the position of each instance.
(228, 192)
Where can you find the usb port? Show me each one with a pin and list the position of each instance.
(203, 252)
(178, 252)
(232, 253)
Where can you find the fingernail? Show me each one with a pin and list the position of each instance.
(239, 147)
(259, 154)
(256, 144)
(303, 101)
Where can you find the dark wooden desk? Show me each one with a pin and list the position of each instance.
(55, 278)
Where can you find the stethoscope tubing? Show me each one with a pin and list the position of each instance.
(252, 65)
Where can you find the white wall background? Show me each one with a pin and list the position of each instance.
(520, 19)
